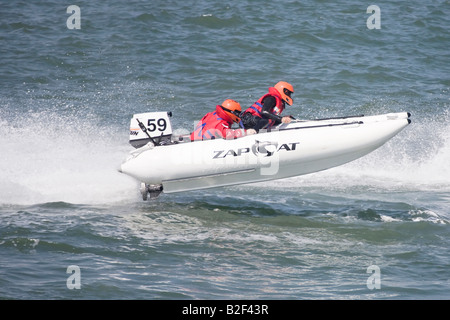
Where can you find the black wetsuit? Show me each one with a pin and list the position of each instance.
(254, 122)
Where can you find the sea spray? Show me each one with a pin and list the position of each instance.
(50, 156)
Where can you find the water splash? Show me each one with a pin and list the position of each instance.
(48, 156)
(415, 160)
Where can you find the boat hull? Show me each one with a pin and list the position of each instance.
(293, 149)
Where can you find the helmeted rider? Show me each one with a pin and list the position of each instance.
(217, 124)
(266, 111)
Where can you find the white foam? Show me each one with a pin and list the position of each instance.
(47, 157)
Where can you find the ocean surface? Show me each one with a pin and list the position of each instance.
(73, 227)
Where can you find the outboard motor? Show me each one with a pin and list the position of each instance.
(152, 127)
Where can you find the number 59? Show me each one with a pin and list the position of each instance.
(156, 124)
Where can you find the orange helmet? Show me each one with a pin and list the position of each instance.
(286, 90)
(232, 108)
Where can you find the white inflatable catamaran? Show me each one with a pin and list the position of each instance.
(164, 162)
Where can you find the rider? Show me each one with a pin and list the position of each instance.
(217, 124)
(265, 112)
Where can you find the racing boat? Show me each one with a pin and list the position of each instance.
(165, 162)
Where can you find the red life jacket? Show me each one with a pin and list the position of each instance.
(256, 108)
(213, 125)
